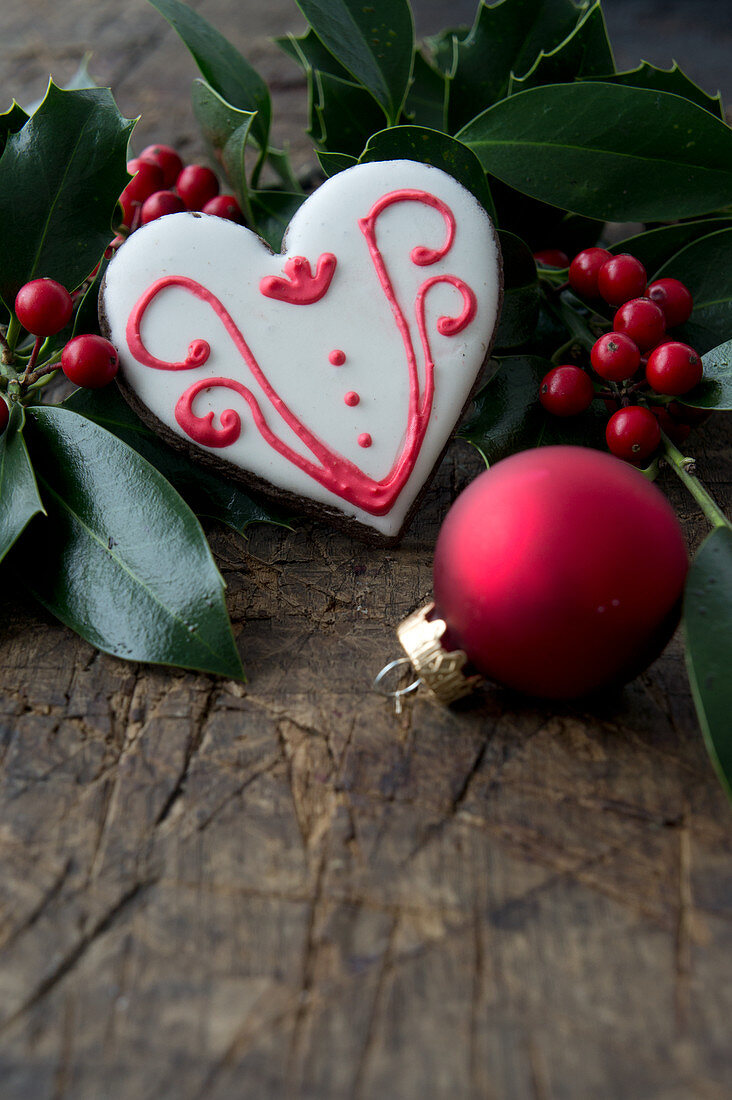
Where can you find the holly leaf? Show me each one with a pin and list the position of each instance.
(226, 130)
(715, 389)
(507, 415)
(272, 212)
(621, 154)
(121, 559)
(221, 64)
(19, 499)
(584, 53)
(666, 80)
(60, 178)
(205, 493)
(426, 103)
(658, 246)
(309, 53)
(521, 295)
(333, 163)
(505, 38)
(11, 122)
(374, 42)
(705, 266)
(439, 150)
(346, 114)
(708, 633)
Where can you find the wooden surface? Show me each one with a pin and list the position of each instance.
(211, 892)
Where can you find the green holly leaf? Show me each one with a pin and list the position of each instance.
(309, 53)
(11, 122)
(221, 65)
(439, 150)
(708, 633)
(426, 103)
(121, 558)
(622, 154)
(715, 389)
(658, 246)
(705, 267)
(19, 499)
(272, 212)
(374, 42)
(226, 130)
(505, 38)
(507, 416)
(666, 80)
(60, 178)
(521, 295)
(333, 163)
(346, 114)
(584, 53)
(206, 494)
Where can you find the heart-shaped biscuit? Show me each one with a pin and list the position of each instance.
(334, 373)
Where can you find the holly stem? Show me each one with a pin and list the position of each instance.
(11, 338)
(685, 469)
(32, 360)
(47, 368)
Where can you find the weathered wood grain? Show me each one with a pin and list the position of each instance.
(211, 892)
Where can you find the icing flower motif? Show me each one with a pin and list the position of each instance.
(300, 287)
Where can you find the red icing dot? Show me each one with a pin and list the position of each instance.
(337, 357)
(351, 398)
(365, 440)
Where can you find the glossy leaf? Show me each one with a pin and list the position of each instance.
(346, 113)
(11, 121)
(715, 390)
(220, 64)
(309, 53)
(19, 499)
(667, 80)
(508, 417)
(426, 103)
(374, 42)
(439, 150)
(705, 266)
(584, 53)
(505, 38)
(206, 493)
(623, 154)
(521, 295)
(273, 211)
(657, 246)
(333, 163)
(60, 177)
(121, 558)
(708, 634)
(226, 130)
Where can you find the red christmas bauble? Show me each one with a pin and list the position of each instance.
(560, 571)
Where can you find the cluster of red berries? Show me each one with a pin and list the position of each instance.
(162, 184)
(638, 342)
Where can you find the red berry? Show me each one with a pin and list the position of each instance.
(633, 434)
(673, 368)
(89, 361)
(43, 307)
(167, 160)
(197, 185)
(552, 257)
(559, 571)
(677, 433)
(159, 204)
(674, 299)
(643, 321)
(224, 206)
(566, 391)
(621, 278)
(584, 269)
(4, 415)
(615, 357)
(147, 178)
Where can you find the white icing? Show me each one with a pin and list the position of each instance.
(292, 343)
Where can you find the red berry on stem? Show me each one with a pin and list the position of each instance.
(643, 321)
(566, 391)
(633, 434)
(146, 179)
(160, 204)
(197, 185)
(4, 415)
(224, 206)
(167, 160)
(615, 357)
(552, 257)
(674, 299)
(674, 368)
(621, 278)
(89, 361)
(559, 571)
(584, 269)
(43, 307)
